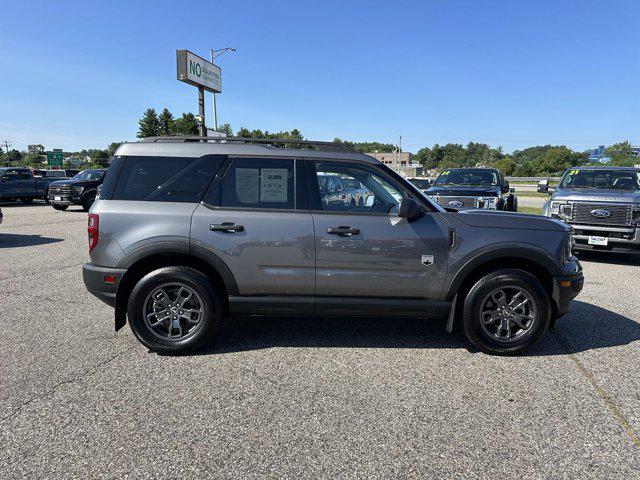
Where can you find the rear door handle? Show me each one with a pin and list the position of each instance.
(342, 230)
(226, 227)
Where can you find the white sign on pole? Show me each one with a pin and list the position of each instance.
(197, 71)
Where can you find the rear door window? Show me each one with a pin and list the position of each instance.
(165, 179)
(267, 183)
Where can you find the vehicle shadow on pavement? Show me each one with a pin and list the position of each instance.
(13, 240)
(614, 258)
(255, 333)
(586, 327)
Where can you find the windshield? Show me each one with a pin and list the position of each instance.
(88, 175)
(351, 183)
(610, 179)
(420, 182)
(470, 177)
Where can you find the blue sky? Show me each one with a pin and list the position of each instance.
(511, 73)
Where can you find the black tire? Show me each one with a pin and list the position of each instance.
(213, 310)
(46, 197)
(479, 293)
(88, 200)
(62, 208)
(512, 203)
(27, 200)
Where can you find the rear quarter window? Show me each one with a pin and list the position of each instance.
(160, 179)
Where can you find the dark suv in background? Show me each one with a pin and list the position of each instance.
(81, 190)
(602, 204)
(484, 188)
(189, 230)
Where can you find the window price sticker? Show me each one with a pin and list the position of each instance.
(273, 184)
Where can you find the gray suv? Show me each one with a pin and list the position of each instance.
(189, 230)
(602, 205)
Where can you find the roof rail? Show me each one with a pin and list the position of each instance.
(273, 142)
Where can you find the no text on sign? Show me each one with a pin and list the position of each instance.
(197, 71)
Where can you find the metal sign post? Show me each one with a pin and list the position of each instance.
(200, 73)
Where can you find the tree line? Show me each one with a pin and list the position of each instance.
(539, 160)
(35, 156)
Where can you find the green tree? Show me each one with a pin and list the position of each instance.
(368, 147)
(621, 154)
(186, 125)
(37, 149)
(423, 156)
(506, 165)
(166, 122)
(13, 156)
(111, 149)
(226, 129)
(454, 156)
(149, 126)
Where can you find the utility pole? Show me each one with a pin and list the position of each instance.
(212, 55)
(202, 127)
(7, 144)
(215, 114)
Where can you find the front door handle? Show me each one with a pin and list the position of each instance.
(226, 227)
(344, 231)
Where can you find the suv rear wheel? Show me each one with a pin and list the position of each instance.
(175, 310)
(506, 312)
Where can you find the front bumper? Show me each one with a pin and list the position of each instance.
(619, 238)
(64, 199)
(565, 289)
(102, 282)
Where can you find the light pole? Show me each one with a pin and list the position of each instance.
(213, 54)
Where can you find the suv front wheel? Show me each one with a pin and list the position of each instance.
(175, 310)
(506, 312)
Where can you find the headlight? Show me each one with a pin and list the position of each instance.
(562, 209)
(77, 190)
(569, 246)
(488, 202)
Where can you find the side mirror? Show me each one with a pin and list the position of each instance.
(410, 209)
(543, 186)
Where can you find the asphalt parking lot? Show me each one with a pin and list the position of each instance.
(299, 397)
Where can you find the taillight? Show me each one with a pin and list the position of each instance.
(93, 230)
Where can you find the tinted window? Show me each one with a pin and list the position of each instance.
(420, 183)
(259, 183)
(15, 175)
(618, 179)
(165, 179)
(89, 175)
(376, 193)
(471, 177)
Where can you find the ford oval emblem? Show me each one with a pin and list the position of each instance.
(455, 204)
(601, 213)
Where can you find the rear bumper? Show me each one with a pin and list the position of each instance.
(98, 284)
(565, 289)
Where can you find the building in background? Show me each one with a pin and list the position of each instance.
(401, 162)
(598, 154)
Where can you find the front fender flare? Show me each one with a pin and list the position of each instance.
(496, 252)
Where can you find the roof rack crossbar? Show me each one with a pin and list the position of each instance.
(321, 146)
